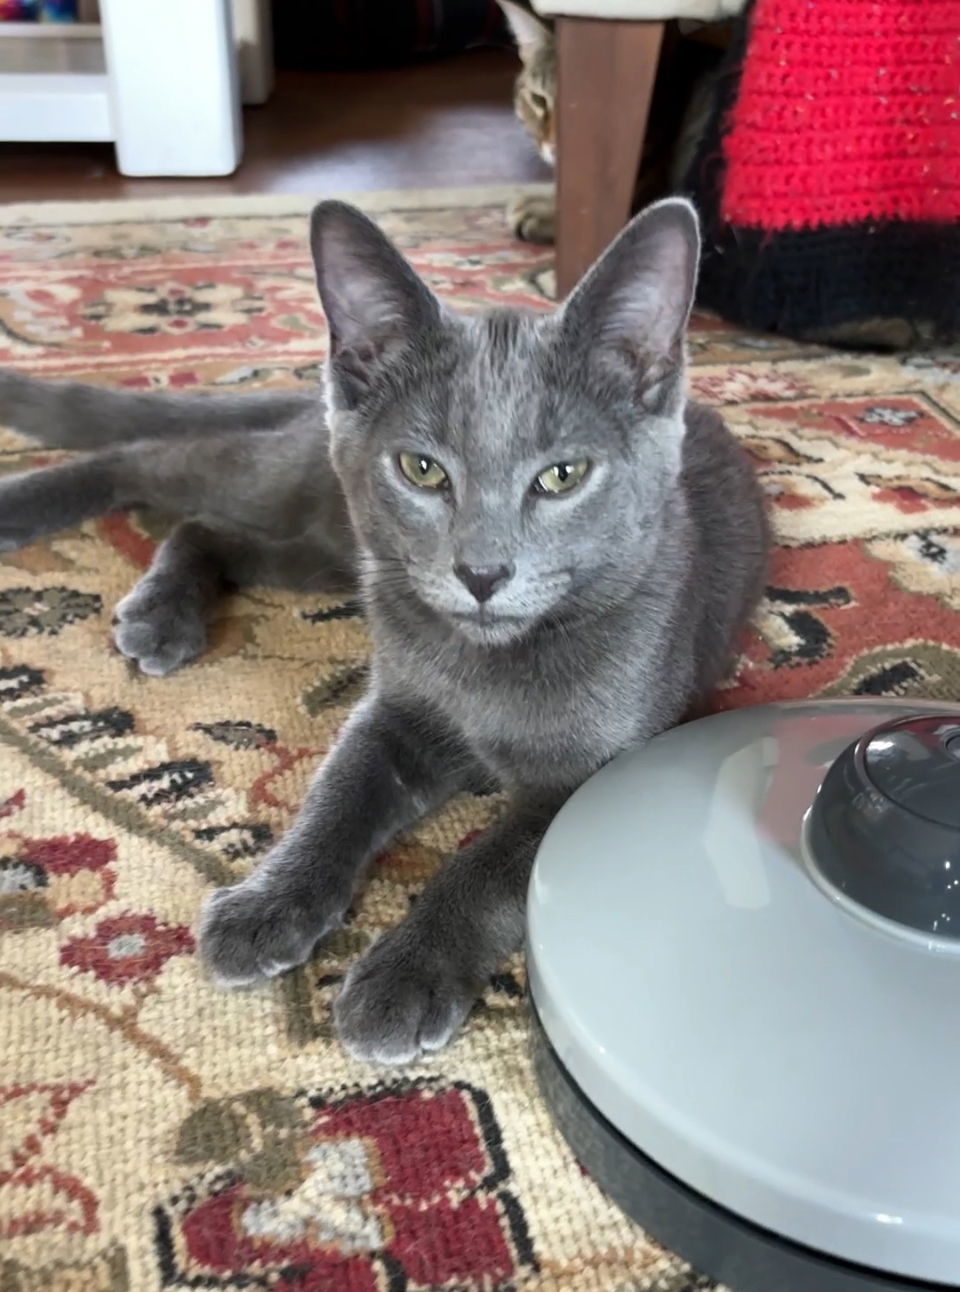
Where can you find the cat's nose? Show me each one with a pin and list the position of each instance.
(483, 580)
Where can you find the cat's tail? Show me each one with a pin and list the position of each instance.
(69, 415)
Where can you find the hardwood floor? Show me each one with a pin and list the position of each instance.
(431, 125)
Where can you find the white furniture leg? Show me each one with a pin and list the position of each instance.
(174, 87)
(251, 31)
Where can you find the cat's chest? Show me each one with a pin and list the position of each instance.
(543, 714)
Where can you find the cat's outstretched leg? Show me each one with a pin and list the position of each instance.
(256, 511)
(418, 982)
(162, 622)
(34, 504)
(390, 766)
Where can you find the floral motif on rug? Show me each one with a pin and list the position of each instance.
(157, 1134)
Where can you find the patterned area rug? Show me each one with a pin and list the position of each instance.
(155, 1133)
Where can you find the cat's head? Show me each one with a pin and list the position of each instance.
(535, 90)
(508, 467)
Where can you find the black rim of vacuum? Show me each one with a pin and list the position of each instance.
(715, 1241)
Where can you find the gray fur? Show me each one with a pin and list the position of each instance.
(621, 612)
(73, 416)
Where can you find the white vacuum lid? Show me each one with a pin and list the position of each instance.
(759, 1022)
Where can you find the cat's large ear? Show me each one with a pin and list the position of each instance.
(631, 309)
(375, 304)
(529, 31)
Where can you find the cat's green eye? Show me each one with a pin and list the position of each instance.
(422, 471)
(561, 477)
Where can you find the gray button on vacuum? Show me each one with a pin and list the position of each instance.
(885, 827)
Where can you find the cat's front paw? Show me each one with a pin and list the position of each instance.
(401, 1000)
(532, 217)
(158, 627)
(249, 933)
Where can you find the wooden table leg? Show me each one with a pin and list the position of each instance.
(606, 71)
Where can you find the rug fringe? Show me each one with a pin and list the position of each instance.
(257, 204)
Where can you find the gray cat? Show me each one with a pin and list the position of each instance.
(556, 552)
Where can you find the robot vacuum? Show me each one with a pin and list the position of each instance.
(744, 960)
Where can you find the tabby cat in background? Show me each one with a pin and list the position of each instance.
(532, 215)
